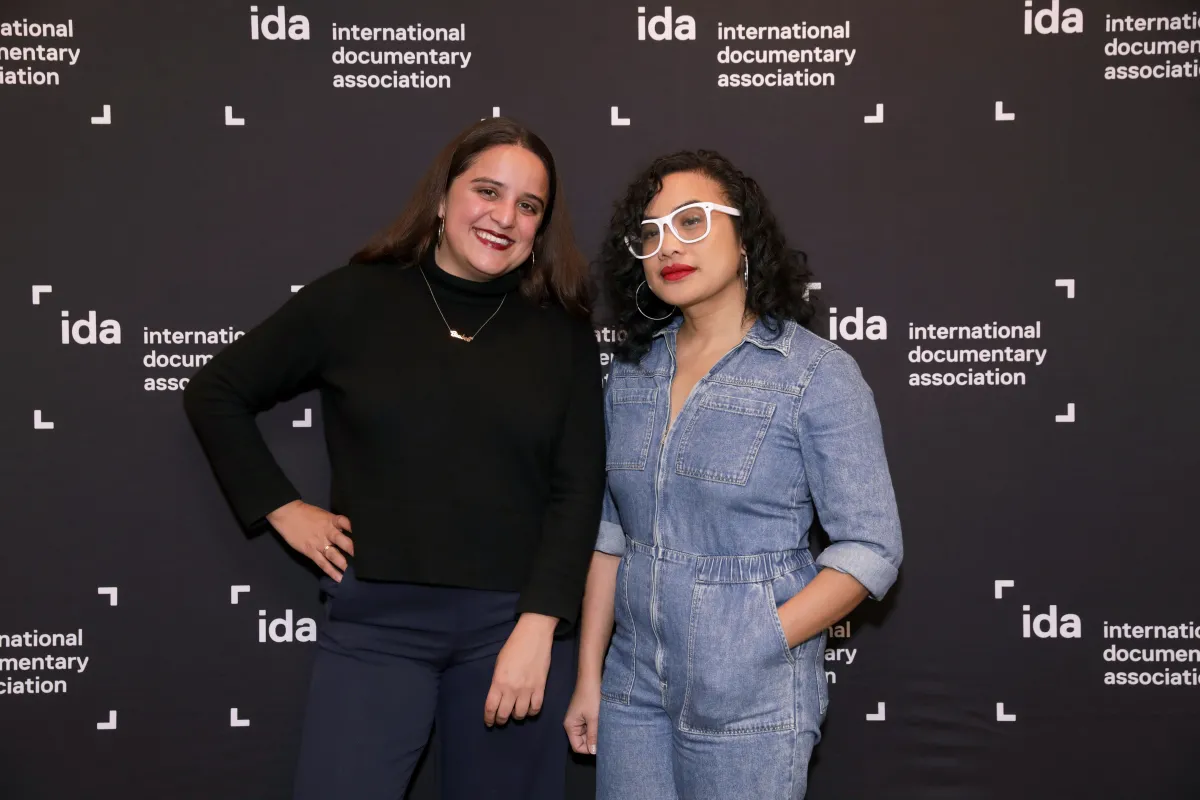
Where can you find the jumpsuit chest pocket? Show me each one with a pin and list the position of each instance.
(631, 426)
(723, 438)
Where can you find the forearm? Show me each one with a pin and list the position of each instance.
(542, 625)
(826, 600)
(224, 423)
(276, 360)
(560, 563)
(596, 625)
(572, 514)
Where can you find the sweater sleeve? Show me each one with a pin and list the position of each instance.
(556, 579)
(273, 362)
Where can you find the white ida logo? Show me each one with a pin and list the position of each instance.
(282, 628)
(663, 28)
(855, 327)
(85, 331)
(1051, 20)
(278, 26)
(1051, 626)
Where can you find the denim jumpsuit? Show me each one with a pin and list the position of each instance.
(701, 696)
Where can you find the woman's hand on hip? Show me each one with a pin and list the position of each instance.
(519, 679)
(316, 533)
(583, 715)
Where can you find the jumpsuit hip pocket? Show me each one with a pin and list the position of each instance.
(740, 672)
(616, 682)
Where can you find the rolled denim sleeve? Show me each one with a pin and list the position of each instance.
(611, 537)
(847, 472)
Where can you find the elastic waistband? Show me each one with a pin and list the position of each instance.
(729, 569)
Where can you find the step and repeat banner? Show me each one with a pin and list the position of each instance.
(1000, 200)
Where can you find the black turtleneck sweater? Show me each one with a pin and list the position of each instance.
(475, 464)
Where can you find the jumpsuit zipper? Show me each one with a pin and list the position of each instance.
(654, 616)
(668, 427)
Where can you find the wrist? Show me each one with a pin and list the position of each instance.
(537, 623)
(282, 510)
(589, 674)
(787, 620)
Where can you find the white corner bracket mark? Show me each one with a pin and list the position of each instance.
(811, 287)
(297, 287)
(1001, 586)
(105, 118)
(880, 715)
(234, 591)
(1069, 283)
(617, 119)
(877, 116)
(1001, 716)
(111, 591)
(38, 291)
(304, 423)
(234, 722)
(1001, 114)
(230, 119)
(495, 111)
(1067, 417)
(111, 725)
(40, 424)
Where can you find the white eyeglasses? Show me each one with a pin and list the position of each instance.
(687, 223)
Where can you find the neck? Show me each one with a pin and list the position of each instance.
(720, 320)
(471, 287)
(448, 263)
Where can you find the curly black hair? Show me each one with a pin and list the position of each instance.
(779, 275)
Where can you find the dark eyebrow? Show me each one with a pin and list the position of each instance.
(676, 208)
(499, 185)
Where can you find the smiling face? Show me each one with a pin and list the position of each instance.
(492, 212)
(683, 274)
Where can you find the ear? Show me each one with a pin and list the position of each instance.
(441, 212)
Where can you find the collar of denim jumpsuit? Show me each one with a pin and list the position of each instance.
(759, 335)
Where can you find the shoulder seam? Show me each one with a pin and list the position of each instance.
(826, 348)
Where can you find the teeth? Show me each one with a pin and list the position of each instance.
(489, 238)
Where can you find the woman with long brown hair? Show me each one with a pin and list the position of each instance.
(461, 398)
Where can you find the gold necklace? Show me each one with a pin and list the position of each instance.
(453, 333)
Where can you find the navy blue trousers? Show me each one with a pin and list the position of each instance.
(393, 659)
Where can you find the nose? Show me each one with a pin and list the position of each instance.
(671, 246)
(504, 214)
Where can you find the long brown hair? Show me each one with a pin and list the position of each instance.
(559, 273)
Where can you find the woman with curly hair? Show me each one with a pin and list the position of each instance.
(730, 427)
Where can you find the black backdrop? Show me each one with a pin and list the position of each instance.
(177, 172)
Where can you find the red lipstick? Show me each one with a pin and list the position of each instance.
(676, 272)
(503, 244)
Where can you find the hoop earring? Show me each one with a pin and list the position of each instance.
(746, 273)
(441, 230)
(532, 259)
(639, 305)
